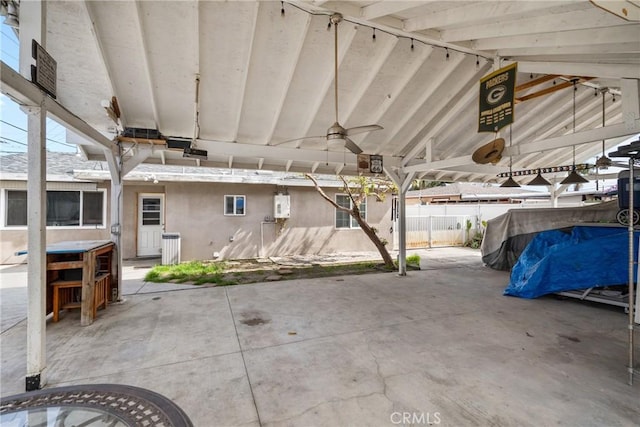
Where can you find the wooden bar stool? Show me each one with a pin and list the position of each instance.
(67, 294)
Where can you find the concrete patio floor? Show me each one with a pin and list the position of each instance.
(439, 346)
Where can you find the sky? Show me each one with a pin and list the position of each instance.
(13, 121)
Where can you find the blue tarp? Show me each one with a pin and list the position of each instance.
(556, 261)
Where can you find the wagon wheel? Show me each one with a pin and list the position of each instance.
(623, 217)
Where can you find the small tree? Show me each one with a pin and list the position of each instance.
(358, 189)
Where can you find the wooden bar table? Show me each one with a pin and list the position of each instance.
(84, 265)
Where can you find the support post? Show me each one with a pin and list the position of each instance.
(36, 244)
(33, 27)
(402, 237)
(114, 161)
(402, 223)
(630, 228)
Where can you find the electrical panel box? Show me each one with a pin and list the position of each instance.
(282, 206)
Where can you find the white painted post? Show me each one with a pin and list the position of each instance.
(430, 231)
(33, 27)
(402, 223)
(114, 160)
(36, 244)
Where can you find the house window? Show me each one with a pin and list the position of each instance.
(343, 219)
(16, 208)
(234, 205)
(64, 208)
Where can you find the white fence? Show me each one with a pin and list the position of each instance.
(446, 224)
(435, 230)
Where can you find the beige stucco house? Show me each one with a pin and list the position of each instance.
(217, 213)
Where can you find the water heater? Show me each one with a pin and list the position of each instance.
(282, 206)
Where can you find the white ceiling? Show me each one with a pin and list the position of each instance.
(266, 78)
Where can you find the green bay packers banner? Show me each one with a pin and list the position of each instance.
(497, 93)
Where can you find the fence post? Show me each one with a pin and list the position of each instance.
(430, 229)
(464, 230)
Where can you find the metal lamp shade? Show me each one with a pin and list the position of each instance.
(539, 180)
(574, 178)
(510, 183)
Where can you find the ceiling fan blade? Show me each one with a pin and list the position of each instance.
(299, 139)
(362, 129)
(351, 146)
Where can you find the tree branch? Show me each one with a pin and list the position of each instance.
(324, 195)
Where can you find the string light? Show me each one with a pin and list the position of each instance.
(413, 41)
(282, 8)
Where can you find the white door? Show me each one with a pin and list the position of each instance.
(150, 224)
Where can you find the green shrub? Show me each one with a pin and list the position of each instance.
(414, 260)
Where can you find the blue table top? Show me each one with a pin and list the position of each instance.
(70, 247)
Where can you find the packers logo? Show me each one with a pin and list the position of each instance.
(496, 94)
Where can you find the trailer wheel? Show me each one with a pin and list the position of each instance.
(623, 217)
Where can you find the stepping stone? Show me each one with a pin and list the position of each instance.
(284, 271)
(273, 278)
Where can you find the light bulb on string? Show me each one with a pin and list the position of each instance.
(447, 49)
(412, 49)
(374, 35)
(282, 9)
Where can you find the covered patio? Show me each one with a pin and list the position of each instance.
(441, 345)
(238, 80)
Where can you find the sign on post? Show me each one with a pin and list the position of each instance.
(43, 74)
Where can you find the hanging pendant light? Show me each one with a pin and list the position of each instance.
(603, 162)
(510, 182)
(539, 180)
(574, 177)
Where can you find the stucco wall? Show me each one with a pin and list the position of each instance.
(195, 210)
(13, 240)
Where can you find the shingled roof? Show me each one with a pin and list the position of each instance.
(466, 190)
(72, 167)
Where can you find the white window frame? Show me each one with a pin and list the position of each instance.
(235, 197)
(353, 224)
(4, 205)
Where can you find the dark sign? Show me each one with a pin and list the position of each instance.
(369, 163)
(43, 74)
(376, 164)
(497, 93)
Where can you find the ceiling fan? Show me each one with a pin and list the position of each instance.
(336, 132)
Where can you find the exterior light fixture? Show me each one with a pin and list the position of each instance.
(574, 177)
(510, 182)
(539, 180)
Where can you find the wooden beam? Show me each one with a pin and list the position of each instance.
(550, 89)
(536, 82)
